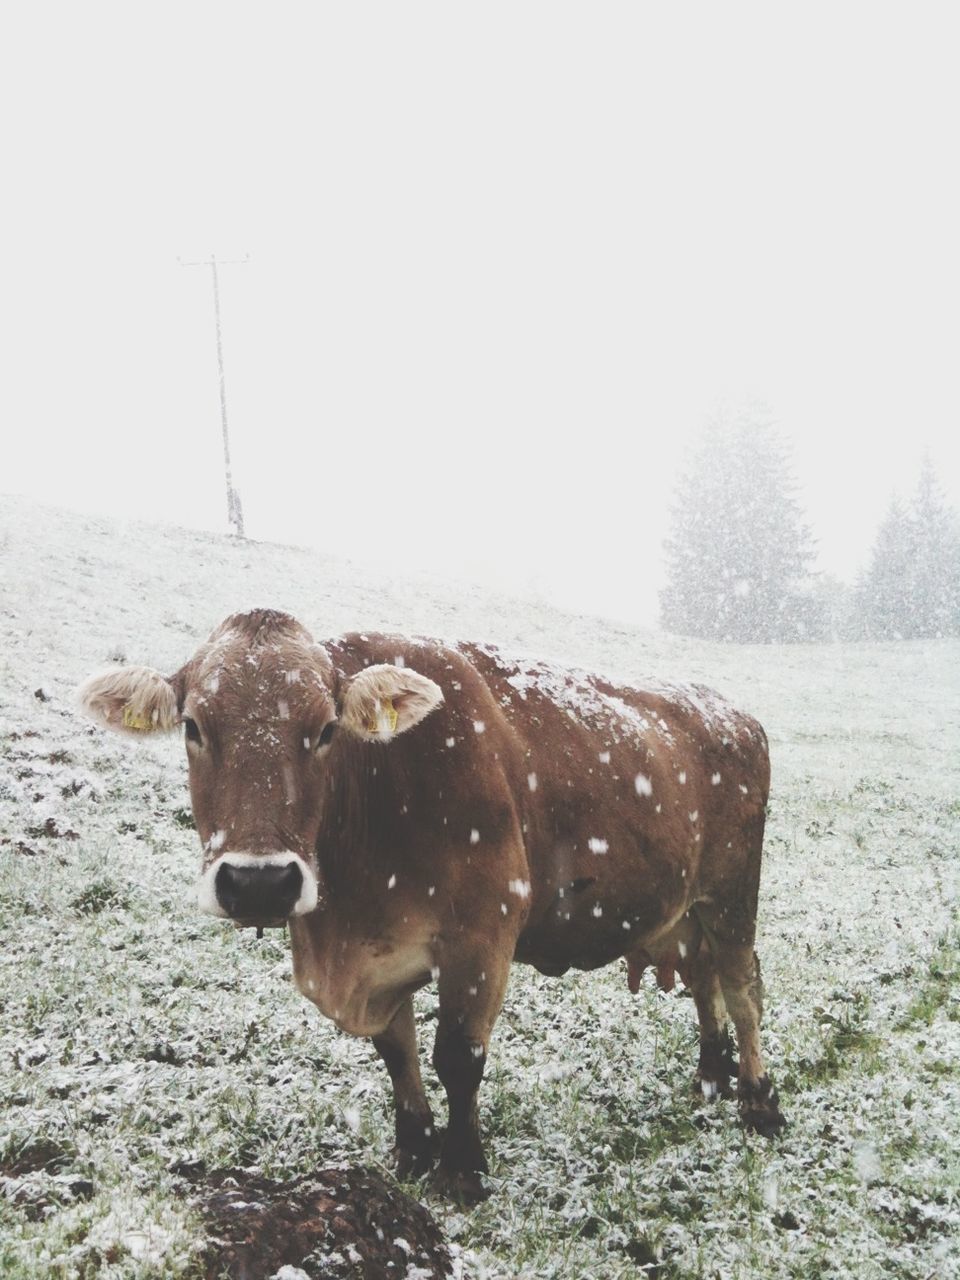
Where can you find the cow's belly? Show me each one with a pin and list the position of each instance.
(589, 926)
(359, 984)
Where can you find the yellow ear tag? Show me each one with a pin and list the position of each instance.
(132, 721)
(386, 717)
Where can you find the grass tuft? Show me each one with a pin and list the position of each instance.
(939, 985)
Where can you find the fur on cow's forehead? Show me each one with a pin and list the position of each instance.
(260, 626)
(264, 649)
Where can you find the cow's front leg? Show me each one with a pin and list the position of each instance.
(472, 984)
(417, 1140)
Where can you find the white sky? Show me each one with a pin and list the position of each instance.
(506, 259)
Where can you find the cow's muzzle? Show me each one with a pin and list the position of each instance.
(263, 894)
(252, 889)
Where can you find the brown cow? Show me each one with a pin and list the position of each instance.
(416, 812)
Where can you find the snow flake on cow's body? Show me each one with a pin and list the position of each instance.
(597, 844)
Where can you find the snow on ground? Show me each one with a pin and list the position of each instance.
(137, 1036)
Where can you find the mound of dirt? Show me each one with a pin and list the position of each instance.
(337, 1223)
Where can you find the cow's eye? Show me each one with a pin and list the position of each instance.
(190, 730)
(327, 736)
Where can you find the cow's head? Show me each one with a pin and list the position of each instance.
(261, 707)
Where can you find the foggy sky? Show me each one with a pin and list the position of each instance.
(506, 260)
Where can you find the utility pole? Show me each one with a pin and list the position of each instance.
(234, 509)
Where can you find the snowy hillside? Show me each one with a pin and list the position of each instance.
(137, 1036)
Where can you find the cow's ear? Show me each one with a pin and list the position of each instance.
(383, 701)
(131, 700)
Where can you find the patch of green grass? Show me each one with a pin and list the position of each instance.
(938, 985)
(848, 1042)
(98, 896)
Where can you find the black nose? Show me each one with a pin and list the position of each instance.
(261, 893)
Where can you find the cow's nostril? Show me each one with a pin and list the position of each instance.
(258, 892)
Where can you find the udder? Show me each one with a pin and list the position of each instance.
(669, 954)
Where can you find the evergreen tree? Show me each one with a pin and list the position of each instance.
(935, 579)
(882, 596)
(911, 589)
(739, 554)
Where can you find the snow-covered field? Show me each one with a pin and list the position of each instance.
(137, 1036)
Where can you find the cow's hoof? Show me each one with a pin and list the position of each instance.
(716, 1068)
(460, 1185)
(416, 1151)
(708, 1089)
(414, 1162)
(760, 1107)
(411, 1165)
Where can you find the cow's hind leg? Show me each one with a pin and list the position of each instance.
(717, 1064)
(728, 917)
(738, 969)
(417, 1139)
